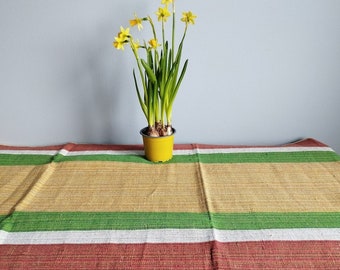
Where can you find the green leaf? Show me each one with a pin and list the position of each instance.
(149, 71)
(174, 93)
(143, 106)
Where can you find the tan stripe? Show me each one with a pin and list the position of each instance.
(16, 183)
(110, 186)
(279, 187)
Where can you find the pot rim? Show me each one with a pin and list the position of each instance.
(144, 135)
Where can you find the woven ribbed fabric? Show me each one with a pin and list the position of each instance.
(88, 206)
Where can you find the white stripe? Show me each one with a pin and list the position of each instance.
(29, 152)
(167, 236)
(250, 150)
(65, 152)
(201, 151)
(101, 152)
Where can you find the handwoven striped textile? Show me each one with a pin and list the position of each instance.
(211, 207)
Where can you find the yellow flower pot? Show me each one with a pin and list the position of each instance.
(158, 149)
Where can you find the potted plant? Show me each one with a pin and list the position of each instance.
(159, 76)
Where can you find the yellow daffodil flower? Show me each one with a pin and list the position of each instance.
(121, 38)
(166, 2)
(135, 44)
(188, 17)
(163, 14)
(154, 43)
(119, 43)
(124, 33)
(136, 21)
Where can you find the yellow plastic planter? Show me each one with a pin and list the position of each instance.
(158, 149)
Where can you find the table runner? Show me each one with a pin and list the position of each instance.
(79, 206)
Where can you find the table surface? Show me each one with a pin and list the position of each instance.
(83, 206)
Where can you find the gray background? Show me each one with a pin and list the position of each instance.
(260, 72)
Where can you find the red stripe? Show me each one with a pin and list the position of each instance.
(34, 148)
(243, 255)
(108, 147)
(74, 147)
(302, 143)
(307, 143)
(101, 147)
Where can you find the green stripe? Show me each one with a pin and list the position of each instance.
(266, 157)
(271, 157)
(256, 221)
(50, 221)
(15, 159)
(126, 158)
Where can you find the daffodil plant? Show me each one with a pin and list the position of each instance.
(160, 72)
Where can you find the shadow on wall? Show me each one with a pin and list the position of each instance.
(101, 84)
(100, 99)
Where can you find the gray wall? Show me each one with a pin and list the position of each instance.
(260, 72)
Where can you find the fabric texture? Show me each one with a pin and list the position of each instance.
(88, 206)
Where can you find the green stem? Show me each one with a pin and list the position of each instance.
(163, 36)
(152, 27)
(140, 69)
(173, 29)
